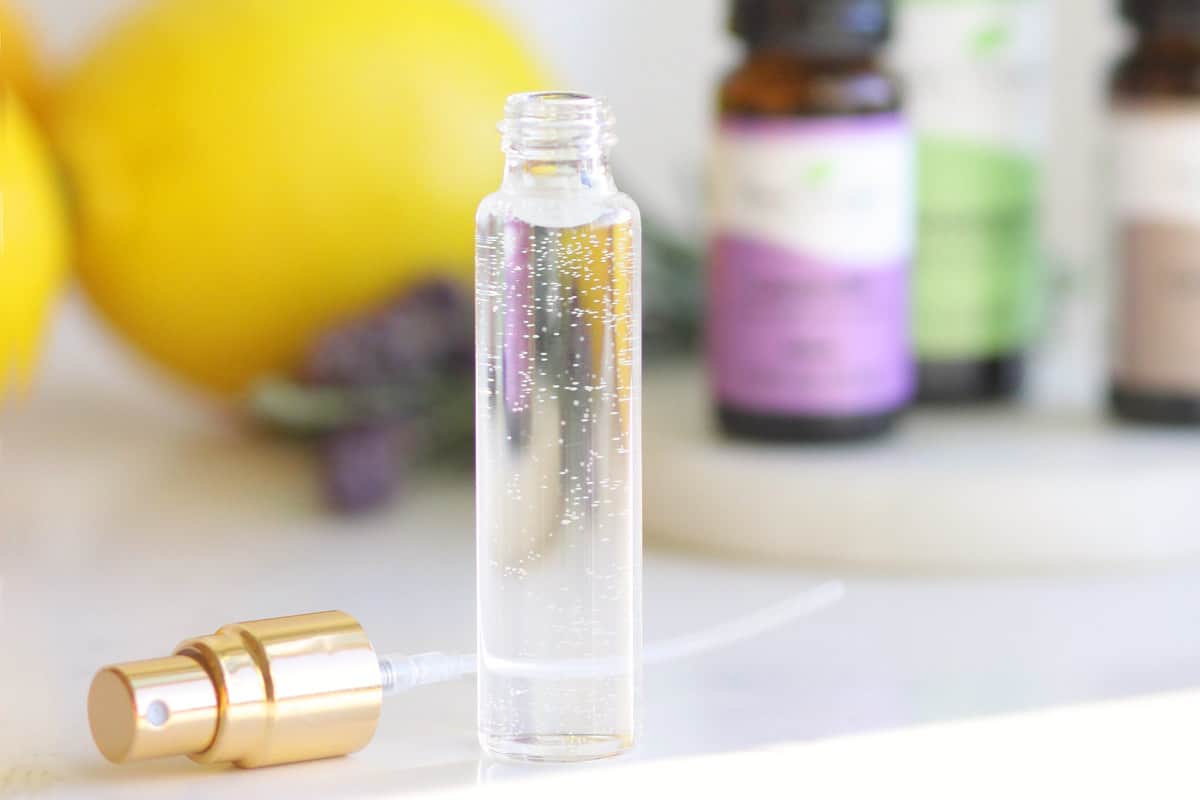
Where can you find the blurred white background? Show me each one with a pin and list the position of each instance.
(659, 63)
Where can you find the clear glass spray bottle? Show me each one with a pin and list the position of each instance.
(558, 440)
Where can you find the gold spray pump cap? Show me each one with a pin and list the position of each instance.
(257, 693)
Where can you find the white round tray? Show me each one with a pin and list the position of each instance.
(1008, 488)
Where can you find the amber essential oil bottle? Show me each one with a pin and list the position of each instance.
(812, 227)
(1156, 161)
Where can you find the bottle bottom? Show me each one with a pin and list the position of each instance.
(555, 747)
(1156, 408)
(779, 428)
(981, 380)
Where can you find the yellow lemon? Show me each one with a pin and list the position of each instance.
(33, 241)
(247, 172)
(18, 70)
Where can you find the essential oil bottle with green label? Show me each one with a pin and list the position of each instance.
(1156, 160)
(976, 75)
(808, 311)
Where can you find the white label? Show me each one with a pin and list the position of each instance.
(976, 69)
(1157, 165)
(838, 190)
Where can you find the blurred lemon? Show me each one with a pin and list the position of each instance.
(33, 241)
(249, 171)
(17, 64)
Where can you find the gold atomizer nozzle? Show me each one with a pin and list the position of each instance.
(271, 691)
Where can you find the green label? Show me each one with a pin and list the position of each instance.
(977, 252)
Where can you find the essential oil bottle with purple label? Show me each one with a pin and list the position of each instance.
(812, 227)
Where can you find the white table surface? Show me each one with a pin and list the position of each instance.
(132, 517)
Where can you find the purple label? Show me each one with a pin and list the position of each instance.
(792, 334)
(808, 304)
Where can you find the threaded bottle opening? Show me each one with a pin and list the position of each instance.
(557, 126)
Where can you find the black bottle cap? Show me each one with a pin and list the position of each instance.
(1163, 16)
(819, 26)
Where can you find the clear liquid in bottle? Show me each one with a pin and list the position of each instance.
(558, 473)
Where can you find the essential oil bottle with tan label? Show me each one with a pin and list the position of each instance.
(1156, 162)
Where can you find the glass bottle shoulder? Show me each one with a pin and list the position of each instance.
(1158, 70)
(555, 209)
(783, 83)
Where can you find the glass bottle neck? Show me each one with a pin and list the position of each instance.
(557, 142)
(827, 50)
(1179, 41)
(589, 174)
